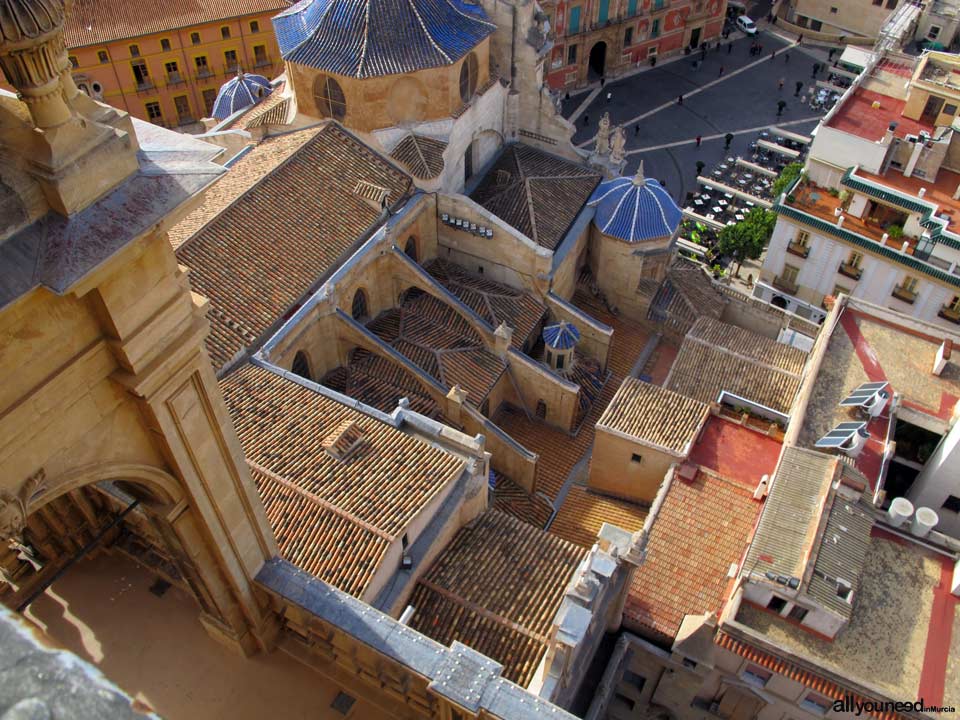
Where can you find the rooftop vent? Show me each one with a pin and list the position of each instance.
(844, 590)
(372, 193)
(344, 442)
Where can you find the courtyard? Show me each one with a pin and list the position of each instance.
(741, 100)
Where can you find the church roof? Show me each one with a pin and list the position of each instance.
(240, 92)
(369, 38)
(561, 336)
(421, 155)
(634, 209)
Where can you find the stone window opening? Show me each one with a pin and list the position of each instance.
(410, 249)
(541, 410)
(358, 309)
(329, 98)
(468, 77)
(301, 365)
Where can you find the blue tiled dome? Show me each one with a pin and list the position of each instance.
(240, 92)
(561, 336)
(368, 38)
(634, 209)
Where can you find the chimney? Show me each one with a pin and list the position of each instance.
(840, 221)
(921, 192)
(457, 397)
(889, 135)
(943, 355)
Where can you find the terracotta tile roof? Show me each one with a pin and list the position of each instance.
(420, 155)
(795, 672)
(309, 531)
(717, 356)
(703, 526)
(246, 172)
(514, 500)
(272, 110)
(384, 485)
(497, 588)
(655, 415)
(537, 193)
(258, 256)
(583, 513)
(95, 22)
(380, 383)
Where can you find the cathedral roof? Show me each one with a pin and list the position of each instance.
(240, 92)
(561, 336)
(634, 209)
(368, 38)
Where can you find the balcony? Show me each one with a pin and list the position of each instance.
(203, 73)
(798, 249)
(175, 79)
(262, 62)
(145, 85)
(950, 313)
(785, 285)
(905, 294)
(850, 271)
(231, 68)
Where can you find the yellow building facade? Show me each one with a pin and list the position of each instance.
(167, 69)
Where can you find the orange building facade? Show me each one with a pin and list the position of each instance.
(167, 68)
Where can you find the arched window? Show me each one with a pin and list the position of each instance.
(329, 97)
(359, 308)
(301, 365)
(541, 409)
(411, 248)
(468, 77)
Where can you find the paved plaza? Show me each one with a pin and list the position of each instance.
(742, 100)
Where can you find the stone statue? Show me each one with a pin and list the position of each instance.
(618, 144)
(603, 135)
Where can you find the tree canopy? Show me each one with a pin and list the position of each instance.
(747, 239)
(790, 173)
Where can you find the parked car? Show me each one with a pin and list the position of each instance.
(746, 25)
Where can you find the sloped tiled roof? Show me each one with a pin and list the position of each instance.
(537, 193)
(237, 93)
(703, 526)
(583, 513)
(717, 356)
(561, 336)
(274, 240)
(497, 588)
(331, 517)
(95, 22)
(420, 155)
(369, 38)
(634, 210)
(514, 500)
(654, 415)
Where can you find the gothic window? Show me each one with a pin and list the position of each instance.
(301, 366)
(359, 308)
(411, 248)
(329, 98)
(468, 77)
(541, 409)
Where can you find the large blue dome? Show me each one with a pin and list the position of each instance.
(634, 209)
(240, 92)
(369, 38)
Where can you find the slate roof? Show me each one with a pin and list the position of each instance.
(273, 241)
(561, 336)
(95, 22)
(634, 209)
(332, 518)
(237, 93)
(537, 193)
(717, 356)
(655, 415)
(370, 38)
(583, 513)
(497, 588)
(420, 155)
(701, 528)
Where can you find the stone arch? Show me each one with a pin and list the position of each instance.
(780, 302)
(410, 249)
(359, 307)
(301, 365)
(469, 71)
(487, 144)
(164, 487)
(329, 98)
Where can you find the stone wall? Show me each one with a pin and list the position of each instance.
(613, 469)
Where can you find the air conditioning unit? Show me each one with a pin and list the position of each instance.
(854, 445)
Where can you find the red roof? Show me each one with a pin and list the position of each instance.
(735, 452)
(857, 116)
(702, 527)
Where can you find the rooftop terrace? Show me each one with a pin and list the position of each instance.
(859, 117)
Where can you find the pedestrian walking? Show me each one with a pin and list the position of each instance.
(800, 39)
(759, 48)
(603, 81)
(586, 119)
(786, 58)
(721, 71)
(717, 48)
(566, 97)
(781, 105)
(831, 54)
(680, 100)
(816, 69)
(773, 53)
(799, 86)
(729, 47)
(698, 140)
(609, 95)
(636, 130)
(728, 138)
(780, 84)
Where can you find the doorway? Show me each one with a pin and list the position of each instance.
(695, 38)
(598, 61)
(931, 110)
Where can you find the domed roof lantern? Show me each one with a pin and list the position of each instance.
(634, 209)
(560, 340)
(242, 91)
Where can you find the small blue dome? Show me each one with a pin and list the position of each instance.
(561, 336)
(240, 92)
(634, 209)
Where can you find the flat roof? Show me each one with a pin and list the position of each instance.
(903, 637)
(940, 191)
(857, 116)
